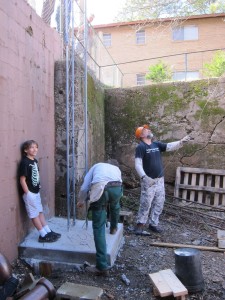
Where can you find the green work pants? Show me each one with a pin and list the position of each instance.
(111, 196)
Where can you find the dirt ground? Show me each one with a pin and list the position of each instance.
(182, 223)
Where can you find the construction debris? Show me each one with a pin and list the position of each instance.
(173, 245)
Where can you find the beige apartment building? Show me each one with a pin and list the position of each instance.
(184, 44)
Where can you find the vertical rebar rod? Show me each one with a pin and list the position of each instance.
(73, 117)
(85, 84)
(186, 66)
(67, 116)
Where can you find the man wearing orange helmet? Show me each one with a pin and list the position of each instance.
(148, 164)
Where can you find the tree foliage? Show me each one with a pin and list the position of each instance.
(159, 72)
(152, 9)
(216, 67)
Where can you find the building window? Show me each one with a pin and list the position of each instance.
(140, 37)
(182, 76)
(186, 33)
(107, 39)
(140, 78)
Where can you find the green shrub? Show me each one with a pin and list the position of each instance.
(159, 72)
(217, 66)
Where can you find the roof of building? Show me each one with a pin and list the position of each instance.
(118, 24)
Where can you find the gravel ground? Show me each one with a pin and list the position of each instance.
(129, 277)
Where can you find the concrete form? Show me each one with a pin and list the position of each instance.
(73, 248)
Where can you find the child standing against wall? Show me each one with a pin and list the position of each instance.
(30, 183)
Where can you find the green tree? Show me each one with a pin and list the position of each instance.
(216, 67)
(151, 9)
(159, 72)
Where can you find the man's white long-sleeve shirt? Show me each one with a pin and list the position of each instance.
(99, 173)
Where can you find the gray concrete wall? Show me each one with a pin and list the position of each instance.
(28, 49)
(173, 110)
(96, 129)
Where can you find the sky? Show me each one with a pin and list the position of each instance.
(104, 10)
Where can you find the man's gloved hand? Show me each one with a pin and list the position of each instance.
(185, 139)
(148, 181)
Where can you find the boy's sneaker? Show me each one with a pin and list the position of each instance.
(55, 234)
(48, 238)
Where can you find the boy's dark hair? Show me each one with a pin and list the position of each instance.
(26, 145)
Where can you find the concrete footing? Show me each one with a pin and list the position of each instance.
(75, 246)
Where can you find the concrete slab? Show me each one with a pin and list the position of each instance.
(75, 246)
(72, 291)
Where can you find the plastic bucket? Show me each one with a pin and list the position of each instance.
(188, 269)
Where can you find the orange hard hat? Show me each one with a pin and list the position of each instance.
(138, 131)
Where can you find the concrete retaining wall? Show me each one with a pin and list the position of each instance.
(28, 49)
(173, 110)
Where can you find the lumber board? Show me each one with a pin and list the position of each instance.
(193, 182)
(202, 170)
(217, 185)
(221, 244)
(176, 193)
(174, 283)
(223, 197)
(173, 245)
(220, 234)
(201, 183)
(161, 286)
(202, 188)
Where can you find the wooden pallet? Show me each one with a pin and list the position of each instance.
(201, 185)
(166, 283)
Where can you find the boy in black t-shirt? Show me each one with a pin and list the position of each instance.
(30, 183)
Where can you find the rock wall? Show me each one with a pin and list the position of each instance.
(96, 129)
(173, 110)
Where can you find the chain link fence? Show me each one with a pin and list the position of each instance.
(54, 13)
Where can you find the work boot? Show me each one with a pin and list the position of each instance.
(155, 229)
(140, 230)
(113, 230)
(97, 272)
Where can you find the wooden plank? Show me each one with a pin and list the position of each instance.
(223, 197)
(184, 193)
(201, 185)
(193, 183)
(201, 170)
(174, 283)
(173, 245)
(209, 184)
(177, 181)
(216, 196)
(221, 244)
(220, 234)
(204, 188)
(160, 285)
